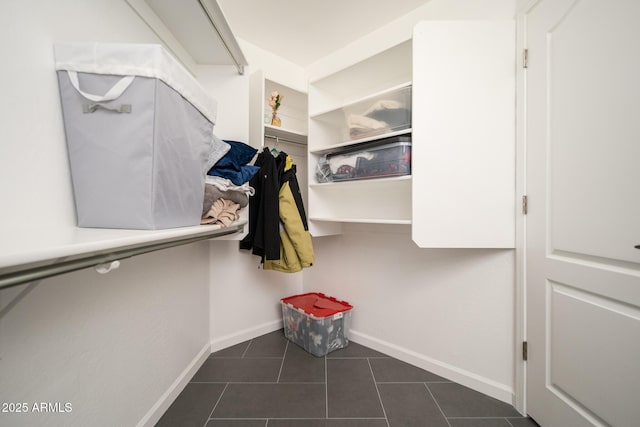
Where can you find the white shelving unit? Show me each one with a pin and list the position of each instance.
(461, 190)
(291, 136)
(376, 200)
(292, 112)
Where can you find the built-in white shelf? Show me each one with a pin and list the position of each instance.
(32, 254)
(461, 100)
(364, 182)
(339, 109)
(195, 31)
(288, 135)
(366, 220)
(353, 142)
(342, 105)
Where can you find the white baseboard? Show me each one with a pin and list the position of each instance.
(244, 335)
(167, 398)
(469, 379)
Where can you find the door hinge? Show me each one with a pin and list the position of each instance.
(525, 350)
(525, 58)
(525, 204)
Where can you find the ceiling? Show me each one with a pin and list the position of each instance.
(303, 31)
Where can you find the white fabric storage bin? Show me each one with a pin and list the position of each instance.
(139, 130)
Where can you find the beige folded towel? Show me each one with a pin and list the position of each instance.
(223, 213)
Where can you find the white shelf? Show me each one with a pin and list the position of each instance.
(353, 142)
(285, 134)
(338, 109)
(195, 31)
(363, 182)
(377, 73)
(21, 250)
(376, 200)
(363, 220)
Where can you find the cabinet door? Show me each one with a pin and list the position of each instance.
(463, 149)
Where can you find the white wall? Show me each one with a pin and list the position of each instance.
(450, 311)
(244, 300)
(402, 29)
(116, 346)
(244, 297)
(231, 91)
(446, 310)
(274, 67)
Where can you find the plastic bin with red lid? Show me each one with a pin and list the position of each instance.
(316, 322)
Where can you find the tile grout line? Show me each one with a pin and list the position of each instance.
(437, 404)
(246, 349)
(256, 382)
(326, 388)
(303, 419)
(497, 417)
(245, 358)
(384, 411)
(414, 382)
(216, 405)
(508, 422)
(282, 364)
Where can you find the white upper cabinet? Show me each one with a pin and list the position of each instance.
(464, 134)
(460, 80)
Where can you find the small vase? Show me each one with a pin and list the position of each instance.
(275, 120)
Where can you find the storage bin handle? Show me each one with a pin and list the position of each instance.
(88, 108)
(113, 93)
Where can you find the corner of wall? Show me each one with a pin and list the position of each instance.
(274, 67)
(401, 30)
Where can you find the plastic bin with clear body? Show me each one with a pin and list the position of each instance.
(316, 322)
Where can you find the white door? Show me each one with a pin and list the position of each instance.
(583, 226)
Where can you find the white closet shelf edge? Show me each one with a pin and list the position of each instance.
(351, 102)
(22, 251)
(355, 142)
(363, 220)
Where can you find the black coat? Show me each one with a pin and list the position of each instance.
(264, 213)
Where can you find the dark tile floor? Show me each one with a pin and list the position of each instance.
(270, 382)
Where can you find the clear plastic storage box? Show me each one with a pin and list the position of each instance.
(316, 322)
(381, 114)
(384, 158)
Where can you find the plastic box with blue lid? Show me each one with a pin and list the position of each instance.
(316, 322)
